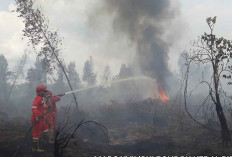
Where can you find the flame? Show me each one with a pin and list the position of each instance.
(162, 94)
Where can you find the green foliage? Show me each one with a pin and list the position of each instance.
(36, 75)
(59, 84)
(217, 48)
(73, 76)
(37, 30)
(88, 72)
(216, 52)
(4, 76)
(3, 69)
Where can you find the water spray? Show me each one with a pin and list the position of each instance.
(112, 82)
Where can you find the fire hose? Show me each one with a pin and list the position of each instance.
(66, 93)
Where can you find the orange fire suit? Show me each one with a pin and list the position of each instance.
(38, 109)
(50, 117)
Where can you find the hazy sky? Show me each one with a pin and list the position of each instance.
(81, 40)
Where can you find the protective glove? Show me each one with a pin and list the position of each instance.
(49, 107)
(36, 119)
(61, 94)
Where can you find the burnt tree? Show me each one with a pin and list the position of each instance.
(216, 52)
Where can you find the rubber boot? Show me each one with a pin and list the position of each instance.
(35, 147)
(51, 136)
(45, 137)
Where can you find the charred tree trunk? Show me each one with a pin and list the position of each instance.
(216, 51)
(61, 65)
(225, 134)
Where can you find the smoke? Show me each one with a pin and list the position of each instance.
(145, 23)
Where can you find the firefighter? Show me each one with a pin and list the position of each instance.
(50, 117)
(37, 117)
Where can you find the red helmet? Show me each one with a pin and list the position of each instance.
(48, 94)
(40, 89)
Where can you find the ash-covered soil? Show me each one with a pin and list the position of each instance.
(160, 133)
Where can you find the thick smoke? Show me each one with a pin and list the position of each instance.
(145, 23)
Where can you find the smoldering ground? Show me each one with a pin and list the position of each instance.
(137, 124)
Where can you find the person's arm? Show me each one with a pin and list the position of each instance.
(35, 105)
(55, 110)
(55, 99)
(48, 105)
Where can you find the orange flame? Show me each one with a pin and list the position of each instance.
(162, 94)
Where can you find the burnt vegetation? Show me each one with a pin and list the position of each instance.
(217, 52)
(121, 118)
